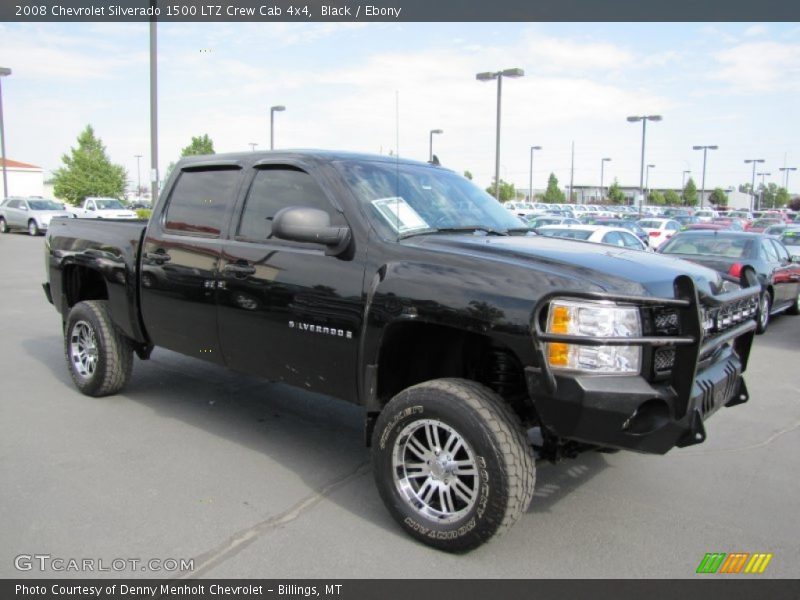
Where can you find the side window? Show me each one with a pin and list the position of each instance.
(631, 241)
(198, 201)
(783, 253)
(612, 237)
(770, 254)
(275, 188)
(13, 204)
(672, 226)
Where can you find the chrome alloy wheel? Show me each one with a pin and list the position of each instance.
(763, 312)
(83, 349)
(435, 470)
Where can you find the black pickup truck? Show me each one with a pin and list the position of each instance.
(400, 286)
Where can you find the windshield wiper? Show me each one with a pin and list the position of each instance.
(458, 229)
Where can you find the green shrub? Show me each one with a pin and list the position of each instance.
(143, 213)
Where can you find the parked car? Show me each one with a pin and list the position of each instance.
(659, 230)
(730, 252)
(31, 214)
(790, 238)
(615, 236)
(706, 215)
(631, 226)
(685, 220)
(759, 225)
(536, 222)
(102, 208)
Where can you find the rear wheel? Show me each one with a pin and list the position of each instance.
(3, 226)
(33, 228)
(99, 356)
(452, 463)
(764, 306)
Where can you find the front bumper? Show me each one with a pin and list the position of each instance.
(648, 414)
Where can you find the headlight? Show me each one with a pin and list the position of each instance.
(592, 319)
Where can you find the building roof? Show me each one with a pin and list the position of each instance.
(15, 164)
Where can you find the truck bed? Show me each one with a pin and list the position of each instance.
(109, 247)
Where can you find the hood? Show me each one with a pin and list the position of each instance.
(589, 265)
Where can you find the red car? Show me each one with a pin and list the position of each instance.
(759, 225)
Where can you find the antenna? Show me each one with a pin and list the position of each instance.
(397, 159)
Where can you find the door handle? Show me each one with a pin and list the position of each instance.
(239, 269)
(158, 257)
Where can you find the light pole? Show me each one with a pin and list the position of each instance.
(4, 72)
(786, 176)
(761, 193)
(138, 178)
(705, 150)
(644, 119)
(252, 146)
(647, 180)
(272, 111)
(603, 162)
(753, 182)
(430, 143)
(488, 76)
(530, 173)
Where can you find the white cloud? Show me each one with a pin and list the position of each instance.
(756, 30)
(760, 67)
(550, 54)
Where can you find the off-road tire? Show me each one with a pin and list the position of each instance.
(113, 350)
(762, 316)
(504, 462)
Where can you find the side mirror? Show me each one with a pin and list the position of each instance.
(310, 225)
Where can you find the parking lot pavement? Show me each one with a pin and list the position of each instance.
(252, 479)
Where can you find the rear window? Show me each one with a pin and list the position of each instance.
(198, 201)
(710, 246)
(650, 224)
(572, 234)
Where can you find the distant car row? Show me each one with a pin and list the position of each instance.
(34, 214)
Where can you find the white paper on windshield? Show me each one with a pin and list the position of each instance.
(399, 214)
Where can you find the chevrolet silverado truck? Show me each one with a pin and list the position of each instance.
(474, 345)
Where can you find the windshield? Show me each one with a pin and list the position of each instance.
(409, 199)
(44, 205)
(791, 238)
(108, 204)
(650, 224)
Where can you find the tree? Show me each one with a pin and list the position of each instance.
(655, 198)
(794, 203)
(781, 198)
(671, 198)
(690, 193)
(507, 191)
(615, 195)
(718, 197)
(468, 175)
(553, 193)
(767, 195)
(88, 171)
(202, 144)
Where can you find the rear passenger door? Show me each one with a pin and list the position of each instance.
(180, 260)
(788, 273)
(286, 310)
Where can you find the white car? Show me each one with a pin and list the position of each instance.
(102, 208)
(659, 230)
(706, 215)
(614, 236)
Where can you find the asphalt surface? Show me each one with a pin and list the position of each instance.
(252, 479)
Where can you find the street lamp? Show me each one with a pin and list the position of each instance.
(786, 176)
(430, 143)
(753, 182)
(272, 111)
(644, 119)
(4, 72)
(705, 150)
(252, 146)
(488, 76)
(603, 162)
(647, 180)
(530, 174)
(138, 178)
(761, 193)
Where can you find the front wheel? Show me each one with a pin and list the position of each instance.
(33, 228)
(99, 356)
(794, 309)
(452, 463)
(3, 225)
(764, 306)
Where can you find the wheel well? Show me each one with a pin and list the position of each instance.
(82, 283)
(415, 352)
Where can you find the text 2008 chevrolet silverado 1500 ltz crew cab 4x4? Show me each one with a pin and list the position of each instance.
(402, 287)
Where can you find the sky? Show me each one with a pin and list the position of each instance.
(381, 87)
